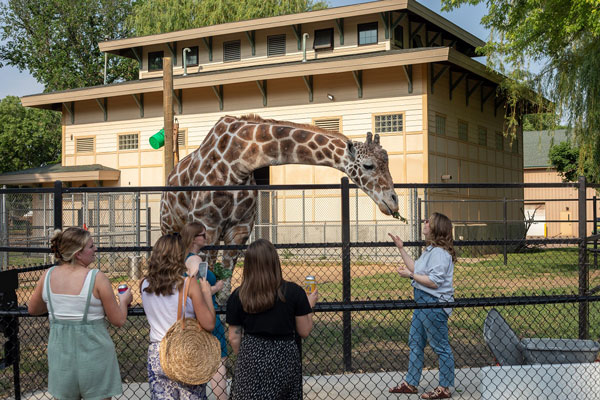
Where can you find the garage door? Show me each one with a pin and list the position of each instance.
(538, 211)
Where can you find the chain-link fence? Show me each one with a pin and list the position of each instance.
(524, 323)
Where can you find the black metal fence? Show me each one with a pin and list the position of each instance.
(545, 290)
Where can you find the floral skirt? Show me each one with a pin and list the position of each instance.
(164, 388)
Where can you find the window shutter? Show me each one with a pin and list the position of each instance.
(323, 39)
(84, 145)
(276, 45)
(232, 51)
(331, 124)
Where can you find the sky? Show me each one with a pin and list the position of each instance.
(16, 83)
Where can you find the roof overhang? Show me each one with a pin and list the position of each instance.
(39, 177)
(123, 47)
(333, 65)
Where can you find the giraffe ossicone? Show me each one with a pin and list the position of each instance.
(236, 147)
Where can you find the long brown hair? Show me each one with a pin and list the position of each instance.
(440, 233)
(188, 234)
(65, 244)
(166, 266)
(262, 279)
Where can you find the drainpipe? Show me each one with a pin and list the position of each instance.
(304, 37)
(186, 50)
(105, 66)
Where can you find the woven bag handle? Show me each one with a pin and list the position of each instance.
(183, 294)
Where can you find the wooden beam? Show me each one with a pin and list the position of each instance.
(262, 86)
(208, 43)
(173, 50)
(177, 95)
(485, 97)
(137, 53)
(251, 35)
(308, 81)
(103, 106)
(140, 103)
(70, 107)
(452, 85)
(412, 34)
(397, 21)
(434, 77)
(470, 91)
(409, 76)
(219, 93)
(297, 29)
(340, 25)
(385, 17)
(429, 42)
(168, 116)
(358, 79)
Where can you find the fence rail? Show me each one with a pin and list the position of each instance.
(543, 288)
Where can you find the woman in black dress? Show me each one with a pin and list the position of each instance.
(263, 315)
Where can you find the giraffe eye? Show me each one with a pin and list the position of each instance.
(368, 166)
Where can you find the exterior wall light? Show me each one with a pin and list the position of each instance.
(330, 97)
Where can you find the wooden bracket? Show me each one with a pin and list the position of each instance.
(297, 29)
(262, 86)
(308, 81)
(251, 35)
(433, 76)
(485, 97)
(470, 91)
(70, 107)
(385, 17)
(219, 93)
(178, 95)
(429, 42)
(397, 21)
(208, 43)
(452, 85)
(340, 25)
(409, 76)
(412, 34)
(140, 103)
(103, 106)
(173, 50)
(137, 53)
(358, 79)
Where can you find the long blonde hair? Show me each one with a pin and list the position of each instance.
(440, 233)
(262, 279)
(166, 266)
(65, 244)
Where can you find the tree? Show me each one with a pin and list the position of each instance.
(565, 158)
(29, 137)
(57, 40)
(563, 35)
(158, 16)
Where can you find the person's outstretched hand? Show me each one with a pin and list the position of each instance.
(397, 241)
(313, 297)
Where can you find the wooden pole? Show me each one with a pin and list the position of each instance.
(168, 115)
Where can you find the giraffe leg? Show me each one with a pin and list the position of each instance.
(236, 236)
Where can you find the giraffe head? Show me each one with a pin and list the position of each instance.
(367, 166)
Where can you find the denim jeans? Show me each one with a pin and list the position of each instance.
(429, 325)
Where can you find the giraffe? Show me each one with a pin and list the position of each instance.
(236, 147)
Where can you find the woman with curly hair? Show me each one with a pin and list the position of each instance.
(160, 290)
(431, 277)
(82, 362)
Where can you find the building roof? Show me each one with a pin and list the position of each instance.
(55, 172)
(536, 145)
(329, 65)
(123, 47)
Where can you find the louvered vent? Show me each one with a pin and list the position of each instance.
(84, 145)
(332, 125)
(181, 138)
(276, 45)
(232, 51)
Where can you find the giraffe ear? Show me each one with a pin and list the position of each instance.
(351, 149)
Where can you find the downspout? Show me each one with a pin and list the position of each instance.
(186, 50)
(105, 66)
(304, 37)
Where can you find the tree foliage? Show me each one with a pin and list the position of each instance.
(158, 16)
(57, 40)
(29, 137)
(565, 158)
(564, 36)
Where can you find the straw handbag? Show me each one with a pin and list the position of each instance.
(188, 353)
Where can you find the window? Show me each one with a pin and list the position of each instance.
(499, 141)
(232, 51)
(515, 145)
(330, 124)
(128, 141)
(191, 57)
(440, 125)
(482, 136)
(155, 61)
(323, 39)
(84, 145)
(275, 45)
(399, 36)
(389, 123)
(463, 131)
(367, 33)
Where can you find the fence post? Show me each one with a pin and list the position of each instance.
(58, 205)
(3, 231)
(584, 325)
(9, 326)
(595, 230)
(346, 318)
(148, 228)
(505, 215)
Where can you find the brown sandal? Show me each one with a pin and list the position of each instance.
(404, 388)
(438, 393)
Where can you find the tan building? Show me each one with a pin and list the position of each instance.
(390, 67)
(555, 210)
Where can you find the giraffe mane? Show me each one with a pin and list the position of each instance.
(314, 128)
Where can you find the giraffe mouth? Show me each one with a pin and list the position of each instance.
(388, 207)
